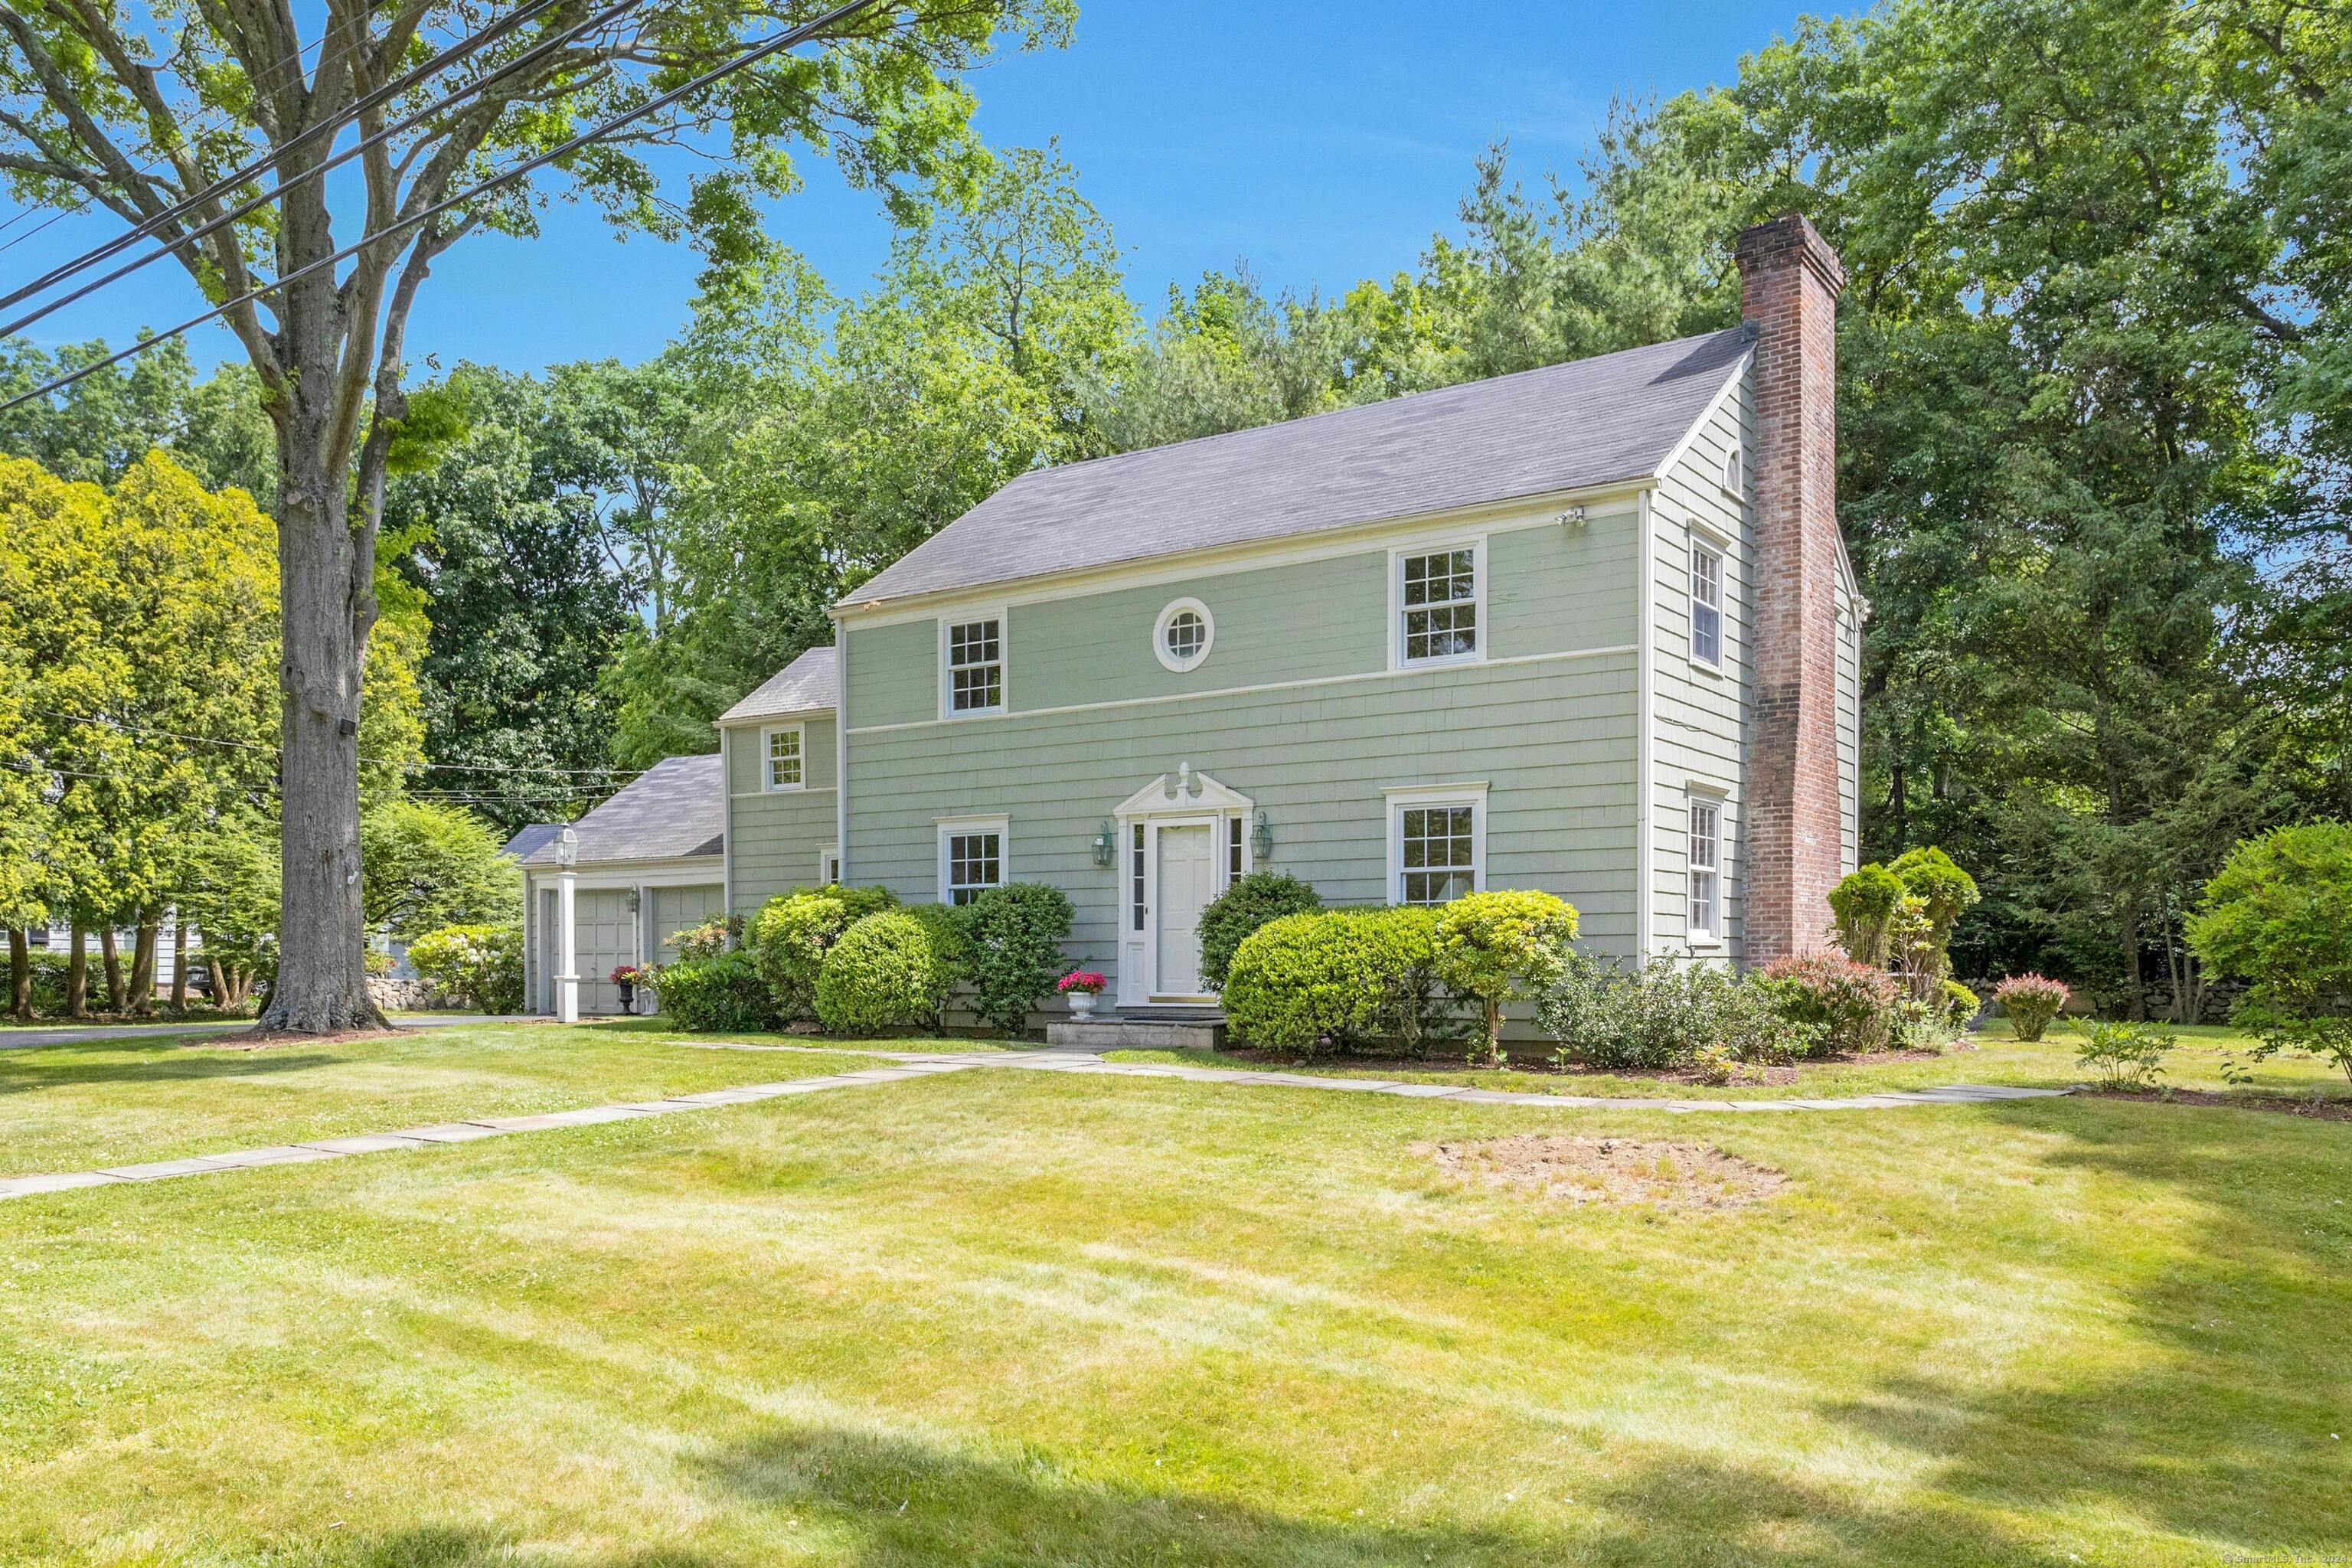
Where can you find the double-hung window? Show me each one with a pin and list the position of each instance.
(1705, 605)
(1437, 845)
(1437, 598)
(785, 752)
(975, 666)
(1705, 869)
(971, 859)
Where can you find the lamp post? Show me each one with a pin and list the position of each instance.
(567, 979)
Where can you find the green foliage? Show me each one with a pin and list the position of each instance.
(2279, 915)
(1853, 1006)
(424, 864)
(482, 963)
(712, 937)
(1945, 893)
(1303, 984)
(2029, 1002)
(2125, 1056)
(789, 936)
(1865, 904)
(1015, 933)
(1500, 945)
(1670, 1013)
(719, 993)
(1414, 1010)
(886, 973)
(1249, 903)
(1960, 1004)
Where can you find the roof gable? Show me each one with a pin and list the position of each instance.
(675, 809)
(810, 684)
(1612, 419)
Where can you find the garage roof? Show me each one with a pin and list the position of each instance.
(676, 809)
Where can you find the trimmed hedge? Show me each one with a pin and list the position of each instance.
(1231, 915)
(1413, 1008)
(1304, 984)
(789, 937)
(1016, 935)
(724, 993)
(889, 970)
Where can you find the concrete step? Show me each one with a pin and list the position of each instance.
(1202, 1031)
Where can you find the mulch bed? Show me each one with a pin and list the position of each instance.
(2318, 1110)
(1407, 1066)
(1609, 1171)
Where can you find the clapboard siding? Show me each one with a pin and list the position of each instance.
(1699, 733)
(773, 839)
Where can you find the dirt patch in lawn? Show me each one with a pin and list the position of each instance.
(1609, 1171)
(2318, 1110)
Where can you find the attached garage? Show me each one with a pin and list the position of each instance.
(647, 864)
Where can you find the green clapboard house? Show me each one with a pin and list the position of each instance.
(1589, 629)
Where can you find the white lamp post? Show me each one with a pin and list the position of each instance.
(567, 979)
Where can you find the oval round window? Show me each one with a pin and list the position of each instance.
(1182, 634)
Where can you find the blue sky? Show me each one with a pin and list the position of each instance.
(1322, 140)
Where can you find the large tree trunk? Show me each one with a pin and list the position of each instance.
(179, 962)
(20, 974)
(143, 964)
(78, 973)
(328, 606)
(113, 965)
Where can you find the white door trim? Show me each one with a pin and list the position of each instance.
(1178, 799)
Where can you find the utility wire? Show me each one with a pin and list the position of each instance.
(749, 57)
(231, 182)
(371, 761)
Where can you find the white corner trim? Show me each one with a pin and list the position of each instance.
(1645, 659)
(768, 784)
(1476, 544)
(948, 714)
(841, 749)
(726, 823)
(1167, 614)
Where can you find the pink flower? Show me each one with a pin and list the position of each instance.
(1085, 980)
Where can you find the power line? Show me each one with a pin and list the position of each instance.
(563, 149)
(106, 723)
(230, 181)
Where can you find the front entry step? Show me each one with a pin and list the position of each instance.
(1191, 1031)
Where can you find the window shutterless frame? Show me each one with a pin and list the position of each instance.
(1705, 869)
(783, 758)
(1437, 604)
(1705, 605)
(973, 669)
(1437, 842)
(975, 854)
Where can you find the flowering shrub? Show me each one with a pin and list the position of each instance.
(481, 965)
(1082, 979)
(707, 940)
(1853, 1005)
(2030, 1000)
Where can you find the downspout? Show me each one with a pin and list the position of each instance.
(726, 826)
(1646, 847)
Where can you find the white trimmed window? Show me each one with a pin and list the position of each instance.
(1705, 605)
(1705, 869)
(828, 867)
(785, 752)
(1437, 846)
(974, 651)
(1181, 636)
(971, 858)
(1438, 597)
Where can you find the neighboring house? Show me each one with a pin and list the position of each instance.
(56, 936)
(1589, 629)
(648, 865)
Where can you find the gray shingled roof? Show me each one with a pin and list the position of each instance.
(676, 808)
(810, 684)
(532, 836)
(1589, 422)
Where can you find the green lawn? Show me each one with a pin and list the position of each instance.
(1998, 1057)
(106, 1102)
(1014, 1318)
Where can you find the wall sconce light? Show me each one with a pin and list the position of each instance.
(634, 905)
(1262, 839)
(1573, 518)
(1106, 844)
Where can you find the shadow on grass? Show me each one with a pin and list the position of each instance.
(2220, 1428)
(18, 1077)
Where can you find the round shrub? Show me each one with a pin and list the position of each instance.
(1017, 934)
(1863, 904)
(789, 937)
(886, 973)
(1302, 984)
(1415, 1011)
(480, 963)
(1946, 892)
(1851, 1004)
(2030, 1000)
(1249, 903)
(724, 993)
(1960, 1004)
(1499, 945)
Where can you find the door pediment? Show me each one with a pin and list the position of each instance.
(1184, 793)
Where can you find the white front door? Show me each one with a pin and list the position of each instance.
(1188, 880)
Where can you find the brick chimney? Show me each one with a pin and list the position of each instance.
(1788, 284)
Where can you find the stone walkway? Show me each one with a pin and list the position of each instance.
(926, 1064)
